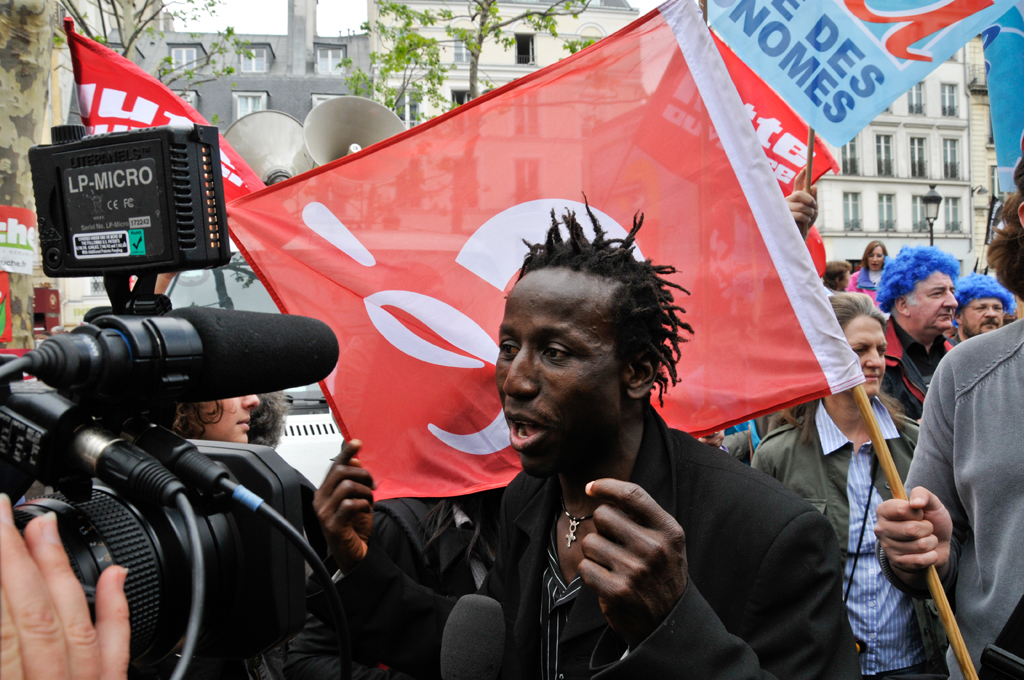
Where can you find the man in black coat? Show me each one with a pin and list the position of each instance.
(627, 549)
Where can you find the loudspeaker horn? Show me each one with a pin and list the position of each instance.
(271, 142)
(344, 125)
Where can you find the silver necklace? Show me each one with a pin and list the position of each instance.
(574, 522)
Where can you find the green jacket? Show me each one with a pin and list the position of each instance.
(821, 481)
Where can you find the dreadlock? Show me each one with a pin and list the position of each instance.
(647, 319)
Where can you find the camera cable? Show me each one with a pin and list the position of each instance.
(195, 613)
(249, 500)
(13, 367)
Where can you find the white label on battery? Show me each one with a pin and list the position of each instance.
(138, 221)
(103, 244)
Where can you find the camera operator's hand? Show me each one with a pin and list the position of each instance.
(344, 506)
(45, 629)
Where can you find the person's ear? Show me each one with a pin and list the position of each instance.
(1020, 212)
(638, 375)
(901, 306)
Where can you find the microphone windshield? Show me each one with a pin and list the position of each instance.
(251, 353)
(473, 642)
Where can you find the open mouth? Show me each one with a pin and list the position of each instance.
(523, 433)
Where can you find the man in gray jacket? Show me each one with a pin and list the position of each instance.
(965, 515)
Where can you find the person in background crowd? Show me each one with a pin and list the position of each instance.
(837, 275)
(917, 290)
(824, 454)
(965, 515)
(268, 420)
(226, 420)
(444, 544)
(981, 304)
(872, 264)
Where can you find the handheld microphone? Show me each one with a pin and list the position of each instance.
(473, 642)
(191, 354)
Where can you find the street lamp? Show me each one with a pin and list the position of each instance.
(931, 201)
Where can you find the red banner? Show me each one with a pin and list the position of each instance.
(781, 132)
(114, 94)
(406, 250)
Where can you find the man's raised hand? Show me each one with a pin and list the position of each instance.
(915, 535)
(635, 560)
(344, 506)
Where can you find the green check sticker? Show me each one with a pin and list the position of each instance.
(136, 242)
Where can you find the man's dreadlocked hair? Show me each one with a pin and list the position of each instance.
(645, 313)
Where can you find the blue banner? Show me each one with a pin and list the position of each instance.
(839, 63)
(1004, 65)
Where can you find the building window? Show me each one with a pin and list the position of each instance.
(952, 215)
(950, 160)
(883, 153)
(190, 97)
(460, 97)
(527, 179)
(991, 131)
(461, 52)
(247, 102)
(949, 100)
(851, 212)
(257, 63)
(918, 165)
(317, 99)
(329, 59)
(849, 156)
(915, 100)
(917, 214)
(524, 49)
(182, 57)
(408, 110)
(887, 212)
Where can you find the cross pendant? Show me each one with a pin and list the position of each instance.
(571, 536)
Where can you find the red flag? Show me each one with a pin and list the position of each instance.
(115, 94)
(782, 133)
(406, 249)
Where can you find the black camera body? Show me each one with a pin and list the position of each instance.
(140, 201)
(255, 597)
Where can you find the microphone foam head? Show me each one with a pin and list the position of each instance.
(251, 352)
(473, 642)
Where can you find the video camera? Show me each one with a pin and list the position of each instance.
(214, 524)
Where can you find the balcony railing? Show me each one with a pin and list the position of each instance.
(918, 169)
(953, 227)
(887, 225)
(978, 79)
(949, 110)
(852, 225)
(952, 171)
(524, 59)
(920, 225)
(885, 167)
(850, 166)
(916, 108)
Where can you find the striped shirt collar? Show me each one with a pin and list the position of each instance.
(832, 439)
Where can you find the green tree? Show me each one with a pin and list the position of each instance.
(489, 23)
(406, 63)
(135, 19)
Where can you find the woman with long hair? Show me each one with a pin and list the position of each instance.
(865, 280)
(823, 452)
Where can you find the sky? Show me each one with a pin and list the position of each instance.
(334, 17)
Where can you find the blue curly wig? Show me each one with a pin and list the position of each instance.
(911, 265)
(974, 286)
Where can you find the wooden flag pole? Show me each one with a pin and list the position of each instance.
(808, 171)
(892, 476)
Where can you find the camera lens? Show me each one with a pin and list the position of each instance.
(102, 529)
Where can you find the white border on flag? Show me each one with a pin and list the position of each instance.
(791, 258)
